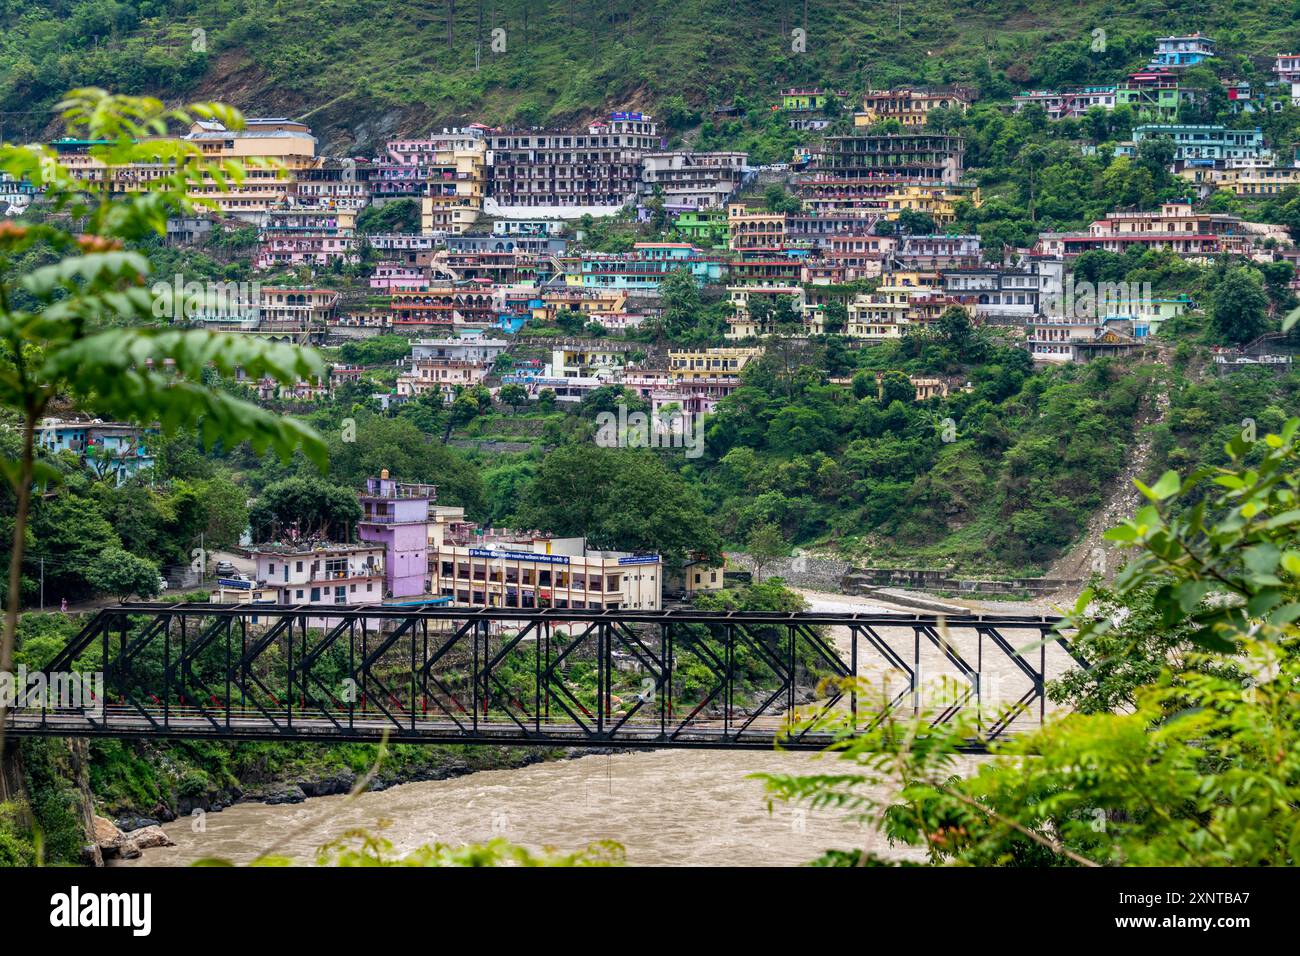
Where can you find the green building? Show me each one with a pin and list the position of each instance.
(704, 228)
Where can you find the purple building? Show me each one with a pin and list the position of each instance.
(396, 515)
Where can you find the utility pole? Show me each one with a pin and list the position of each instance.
(42, 583)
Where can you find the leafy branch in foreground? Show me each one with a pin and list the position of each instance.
(1205, 770)
(361, 848)
(82, 329)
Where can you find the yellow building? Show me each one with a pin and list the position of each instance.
(742, 325)
(693, 364)
(586, 301)
(901, 301)
(270, 152)
(909, 107)
(1259, 180)
(488, 567)
(456, 191)
(937, 201)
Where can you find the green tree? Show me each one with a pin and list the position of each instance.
(836, 317)
(1239, 306)
(309, 506)
(77, 320)
(513, 394)
(764, 545)
(618, 498)
(895, 386)
(123, 574)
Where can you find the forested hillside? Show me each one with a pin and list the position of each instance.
(363, 69)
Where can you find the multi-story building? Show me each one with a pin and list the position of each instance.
(15, 195)
(898, 156)
(449, 365)
(1287, 68)
(394, 276)
(268, 154)
(181, 230)
(1001, 295)
(460, 348)
(902, 301)
(1153, 94)
(1175, 226)
(332, 184)
(644, 268)
(1259, 180)
(277, 312)
(803, 99)
(487, 567)
(939, 202)
(931, 253)
(1179, 51)
(112, 449)
(447, 171)
(1068, 104)
(307, 235)
(444, 307)
(910, 107)
(404, 247)
(816, 228)
(854, 256)
(704, 228)
(694, 364)
(447, 377)
(271, 152)
(395, 515)
(284, 308)
(694, 382)
(585, 301)
(694, 180)
(565, 174)
(527, 227)
(1192, 143)
(766, 269)
(755, 230)
(318, 573)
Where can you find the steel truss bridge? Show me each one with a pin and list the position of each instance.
(551, 677)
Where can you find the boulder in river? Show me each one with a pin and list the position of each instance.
(149, 837)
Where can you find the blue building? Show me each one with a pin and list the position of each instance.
(1175, 52)
(107, 448)
(1193, 143)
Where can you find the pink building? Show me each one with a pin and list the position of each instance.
(394, 277)
(396, 515)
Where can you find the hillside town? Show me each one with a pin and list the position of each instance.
(490, 252)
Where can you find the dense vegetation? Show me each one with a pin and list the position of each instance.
(1184, 750)
(353, 59)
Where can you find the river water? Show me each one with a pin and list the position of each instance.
(666, 807)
